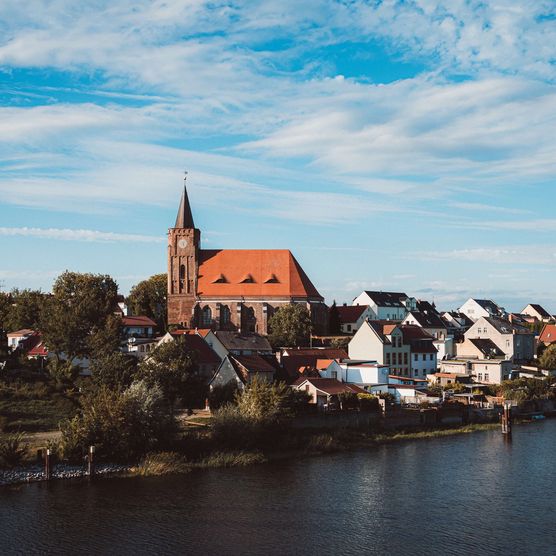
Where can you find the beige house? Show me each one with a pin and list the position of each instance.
(516, 342)
(537, 311)
(485, 371)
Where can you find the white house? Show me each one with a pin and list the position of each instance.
(363, 373)
(324, 392)
(423, 353)
(20, 338)
(485, 371)
(477, 308)
(138, 327)
(387, 305)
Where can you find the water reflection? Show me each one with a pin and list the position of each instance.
(456, 495)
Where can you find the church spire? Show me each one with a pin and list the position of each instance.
(184, 218)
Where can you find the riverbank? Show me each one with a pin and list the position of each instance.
(303, 444)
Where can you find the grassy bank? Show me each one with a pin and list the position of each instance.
(302, 443)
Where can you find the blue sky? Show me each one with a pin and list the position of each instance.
(390, 145)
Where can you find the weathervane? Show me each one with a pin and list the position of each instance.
(184, 176)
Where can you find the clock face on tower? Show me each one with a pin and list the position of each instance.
(182, 243)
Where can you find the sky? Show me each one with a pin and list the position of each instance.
(390, 145)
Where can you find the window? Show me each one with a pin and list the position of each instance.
(432, 356)
(486, 377)
(225, 315)
(349, 327)
(206, 316)
(415, 357)
(405, 358)
(334, 374)
(388, 358)
(424, 356)
(480, 377)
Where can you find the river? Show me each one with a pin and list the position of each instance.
(465, 494)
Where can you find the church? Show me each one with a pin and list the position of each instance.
(232, 289)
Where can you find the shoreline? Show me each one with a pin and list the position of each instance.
(167, 463)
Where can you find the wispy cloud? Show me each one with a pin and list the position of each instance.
(79, 235)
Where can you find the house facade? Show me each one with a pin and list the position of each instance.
(537, 312)
(352, 317)
(516, 342)
(390, 306)
(477, 308)
(382, 343)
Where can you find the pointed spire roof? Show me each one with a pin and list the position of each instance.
(184, 218)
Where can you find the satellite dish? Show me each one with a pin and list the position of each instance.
(132, 340)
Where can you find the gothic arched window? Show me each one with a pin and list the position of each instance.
(206, 316)
(225, 315)
(182, 276)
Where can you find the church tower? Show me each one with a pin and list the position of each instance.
(183, 263)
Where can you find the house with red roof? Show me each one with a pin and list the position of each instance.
(548, 335)
(232, 289)
(325, 392)
(138, 327)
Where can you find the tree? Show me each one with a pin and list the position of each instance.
(334, 319)
(114, 370)
(290, 326)
(548, 358)
(106, 340)
(173, 367)
(80, 305)
(22, 309)
(149, 298)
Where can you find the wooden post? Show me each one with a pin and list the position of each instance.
(507, 419)
(90, 461)
(47, 464)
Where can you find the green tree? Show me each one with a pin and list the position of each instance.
(106, 339)
(149, 298)
(23, 309)
(334, 319)
(114, 370)
(80, 305)
(548, 358)
(173, 367)
(290, 326)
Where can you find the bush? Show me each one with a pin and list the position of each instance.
(121, 425)
(12, 450)
(219, 396)
(368, 402)
(259, 416)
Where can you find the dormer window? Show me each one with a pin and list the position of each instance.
(248, 279)
(272, 279)
(220, 280)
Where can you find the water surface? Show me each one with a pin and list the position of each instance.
(466, 494)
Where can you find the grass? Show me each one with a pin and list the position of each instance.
(29, 408)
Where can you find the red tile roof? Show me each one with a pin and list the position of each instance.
(271, 273)
(141, 321)
(548, 334)
(39, 350)
(203, 332)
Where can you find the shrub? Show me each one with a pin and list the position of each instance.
(122, 425)
(368, 402)
(163, 463)
(12, 450)
(259, 416)
(219, 396)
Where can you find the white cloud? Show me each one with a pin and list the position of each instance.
(79, 235)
